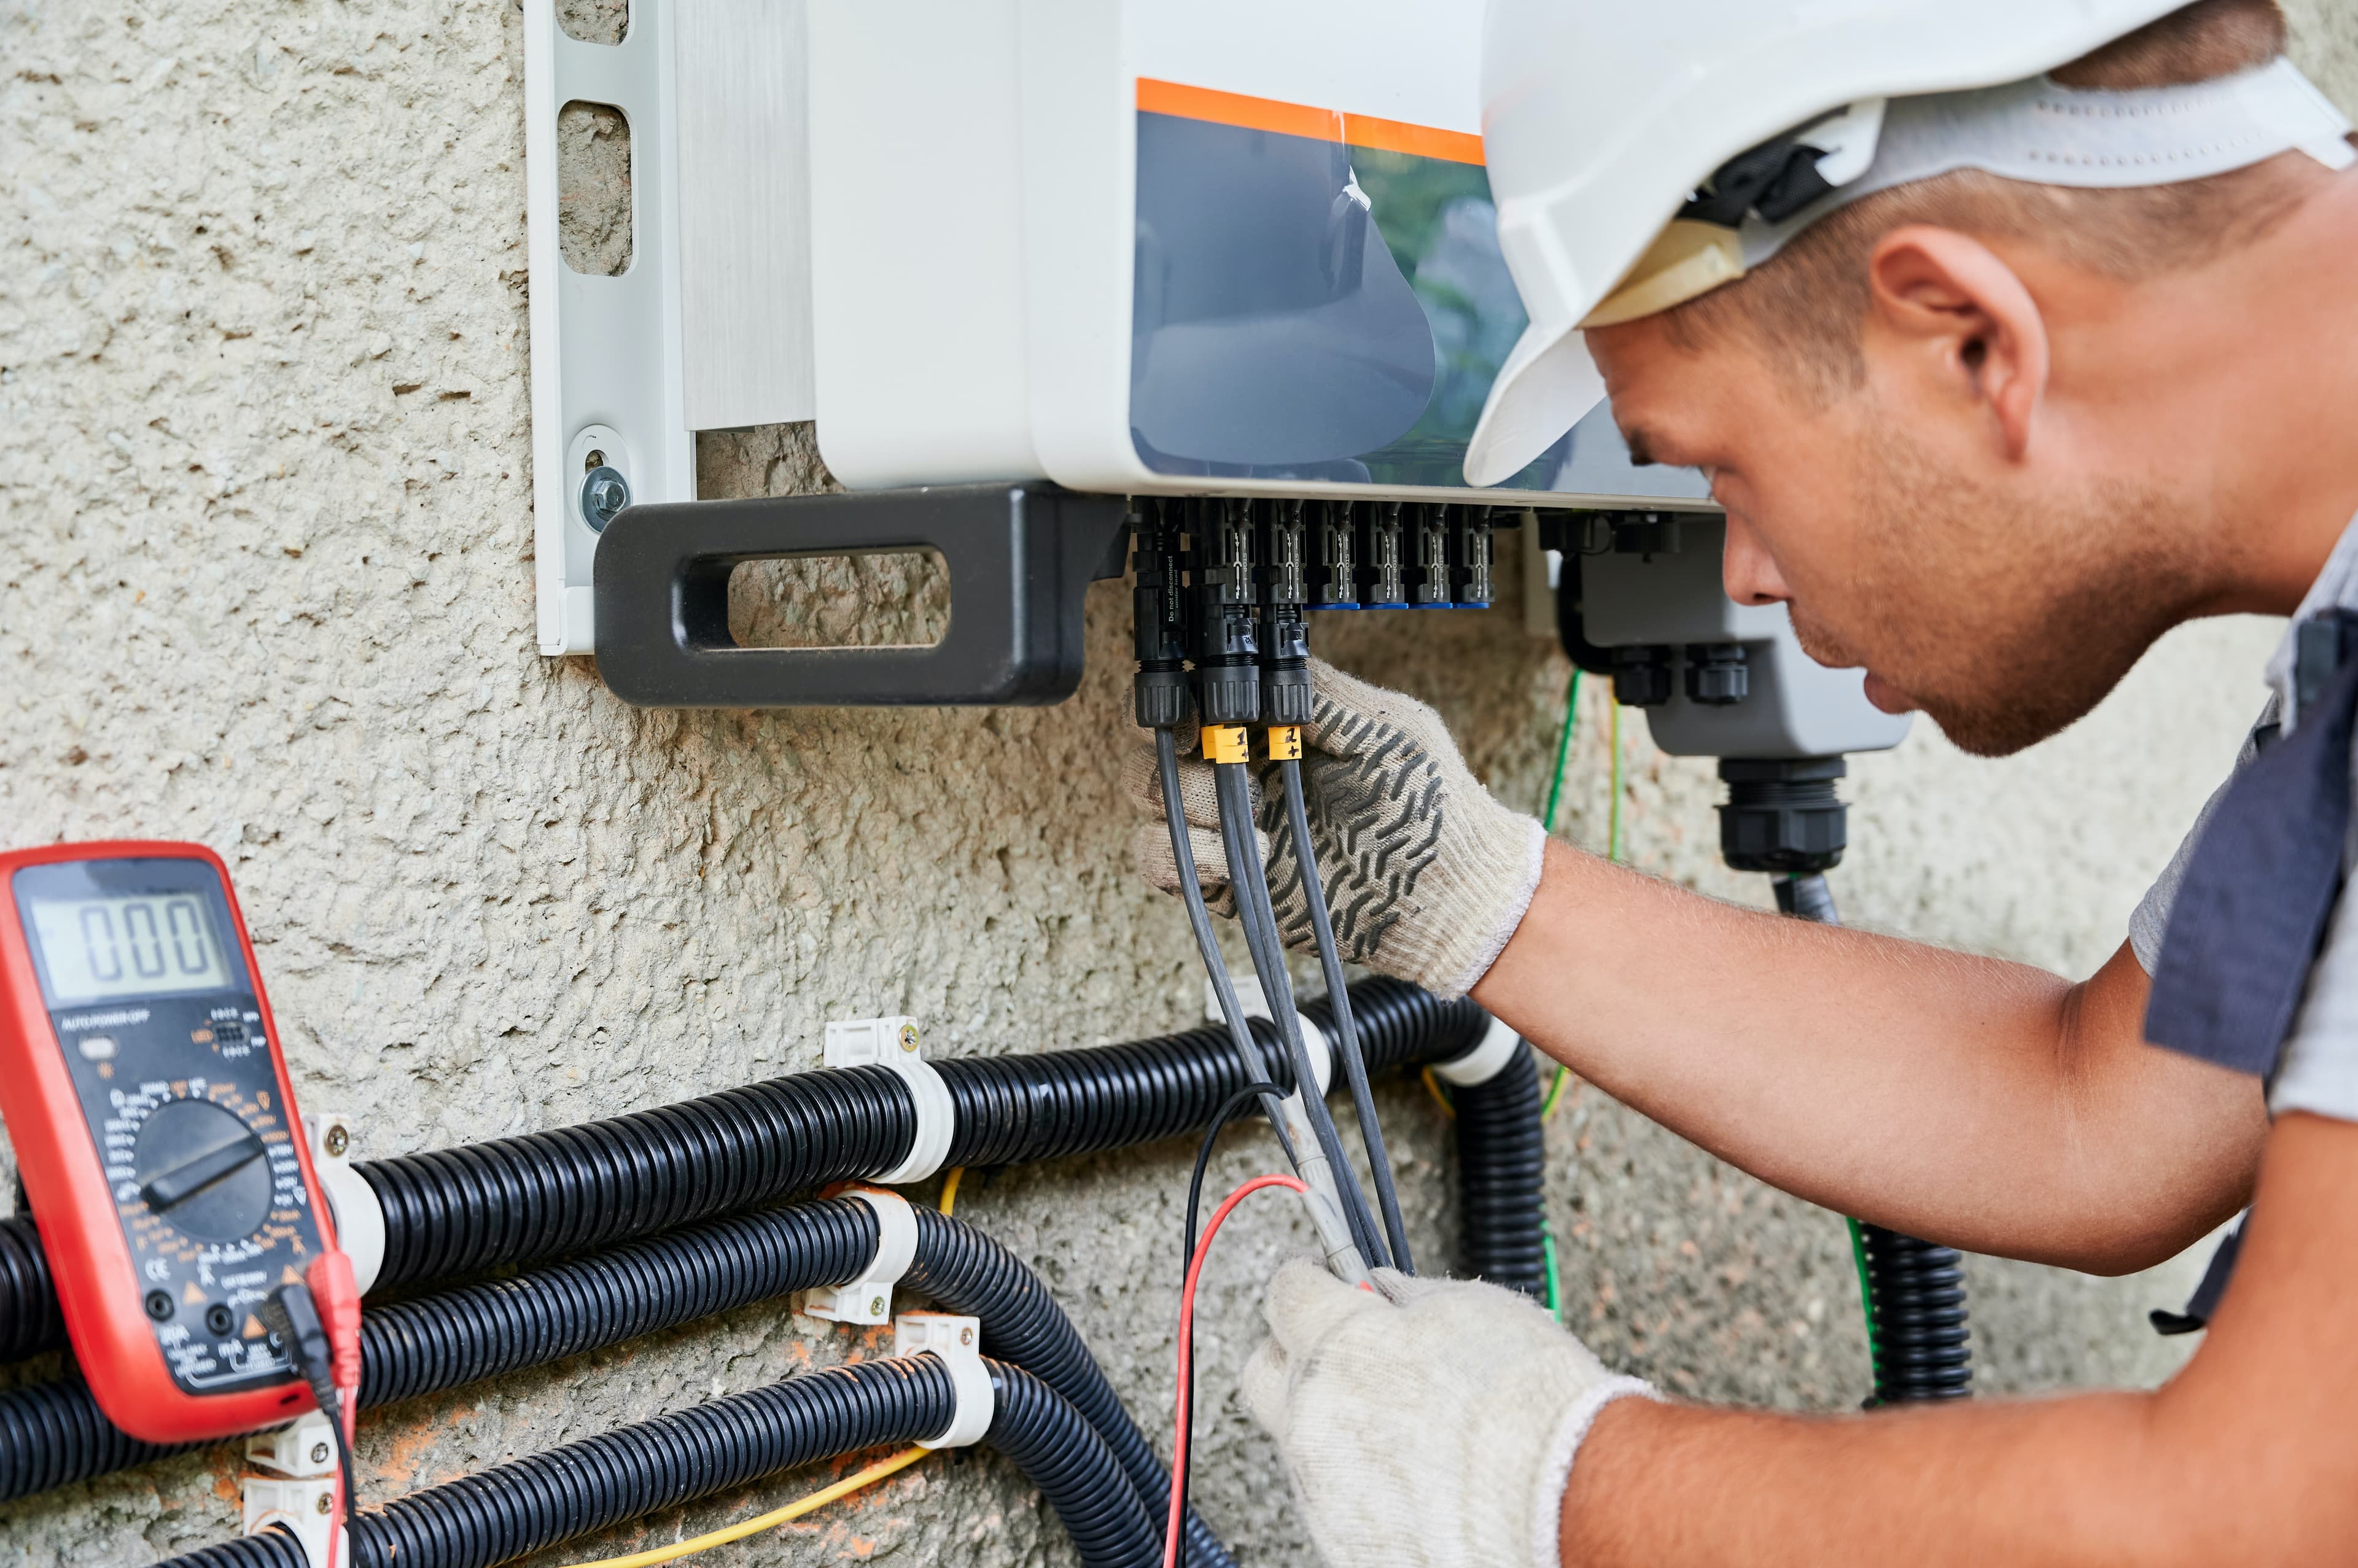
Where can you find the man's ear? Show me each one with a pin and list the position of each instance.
(1953, 298)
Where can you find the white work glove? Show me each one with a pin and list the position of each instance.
(1427, 876)
(1428, 1421)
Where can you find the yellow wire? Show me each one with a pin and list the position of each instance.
(1555, 1091)
(949, 1188)
(775, 1517)
(1440, 1095)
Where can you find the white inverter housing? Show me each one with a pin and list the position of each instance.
(1164, 246)
(1129, 248)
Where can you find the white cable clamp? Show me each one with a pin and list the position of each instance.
(302, 1497)
(892, 1043)
(1485, 1062)
(352, 1203)
(1255, 1003)
(869, 1299)
(957, 1341)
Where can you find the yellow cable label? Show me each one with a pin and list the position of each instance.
(1225, 743)
(1285, 742)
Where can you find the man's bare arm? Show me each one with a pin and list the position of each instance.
(2246, 1457)
(1980, 1103)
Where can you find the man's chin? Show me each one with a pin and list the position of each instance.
(1887, 696)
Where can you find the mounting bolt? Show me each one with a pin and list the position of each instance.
(603, 493)
(876, 1307)
(319, 1453)
(337, 1142)
(966, 1336)
(327, 1502)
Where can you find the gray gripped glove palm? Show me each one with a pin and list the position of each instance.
(1427, 876)
(1426, 1422)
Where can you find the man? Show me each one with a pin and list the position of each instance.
(1988, 435)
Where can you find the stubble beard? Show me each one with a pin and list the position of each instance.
(2005, 628)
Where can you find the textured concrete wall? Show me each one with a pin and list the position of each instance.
(265, 581)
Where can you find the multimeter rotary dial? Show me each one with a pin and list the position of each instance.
(202, 1171)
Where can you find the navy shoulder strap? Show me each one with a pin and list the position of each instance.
(2250, 911)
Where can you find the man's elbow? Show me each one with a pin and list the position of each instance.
(2131, 1238)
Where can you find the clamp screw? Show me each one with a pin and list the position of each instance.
(876, 1307)
(337, 1142)
(319, 1453)
(603, 493)
(966, 1336)
(327, 1502)
(908, 1037)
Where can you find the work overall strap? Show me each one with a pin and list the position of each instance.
(2251, 912)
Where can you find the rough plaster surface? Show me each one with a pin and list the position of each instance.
(265, 582)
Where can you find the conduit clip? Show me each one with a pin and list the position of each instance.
(302, 1495)
(1255, 1003)
(869, 1299)
(957, 1341)
(892, 1043)
(352, 1203)
(1485, 1061)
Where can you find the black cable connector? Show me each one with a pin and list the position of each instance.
(1161, 703)
(291, 1314)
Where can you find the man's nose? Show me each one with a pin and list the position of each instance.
(1747, 570)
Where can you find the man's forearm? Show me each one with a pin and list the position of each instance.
(2063, 1481)
(2245, 1456)
(1988, 1103)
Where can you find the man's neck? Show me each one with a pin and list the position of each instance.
(2271, 364)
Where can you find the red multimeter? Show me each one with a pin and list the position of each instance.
(156, 1131)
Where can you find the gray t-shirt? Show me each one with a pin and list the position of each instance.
(2318, 1069)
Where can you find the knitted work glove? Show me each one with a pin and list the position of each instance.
(1427, 876)
(1432, 1424)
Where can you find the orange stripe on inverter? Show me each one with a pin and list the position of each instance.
(1299, 120)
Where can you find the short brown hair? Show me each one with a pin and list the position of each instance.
(1807, 303)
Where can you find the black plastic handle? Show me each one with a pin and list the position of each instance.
(1021, 559)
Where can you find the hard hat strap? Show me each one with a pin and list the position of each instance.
(2043, 132)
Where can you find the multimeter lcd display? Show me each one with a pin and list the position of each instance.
(96, 949)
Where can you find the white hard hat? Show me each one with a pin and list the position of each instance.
(1640, 155)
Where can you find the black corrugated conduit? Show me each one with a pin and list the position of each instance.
(517, 1200)
(1008, 1110)
(1913, 1291)
(55, 1432)
(1916, 1305)
(277, 1547)
(1501, 1167)
(513, 1509)
(972, 1275)
(1060, 1453)
(463, 1336)
(30, 1323)
(1401, 1025)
